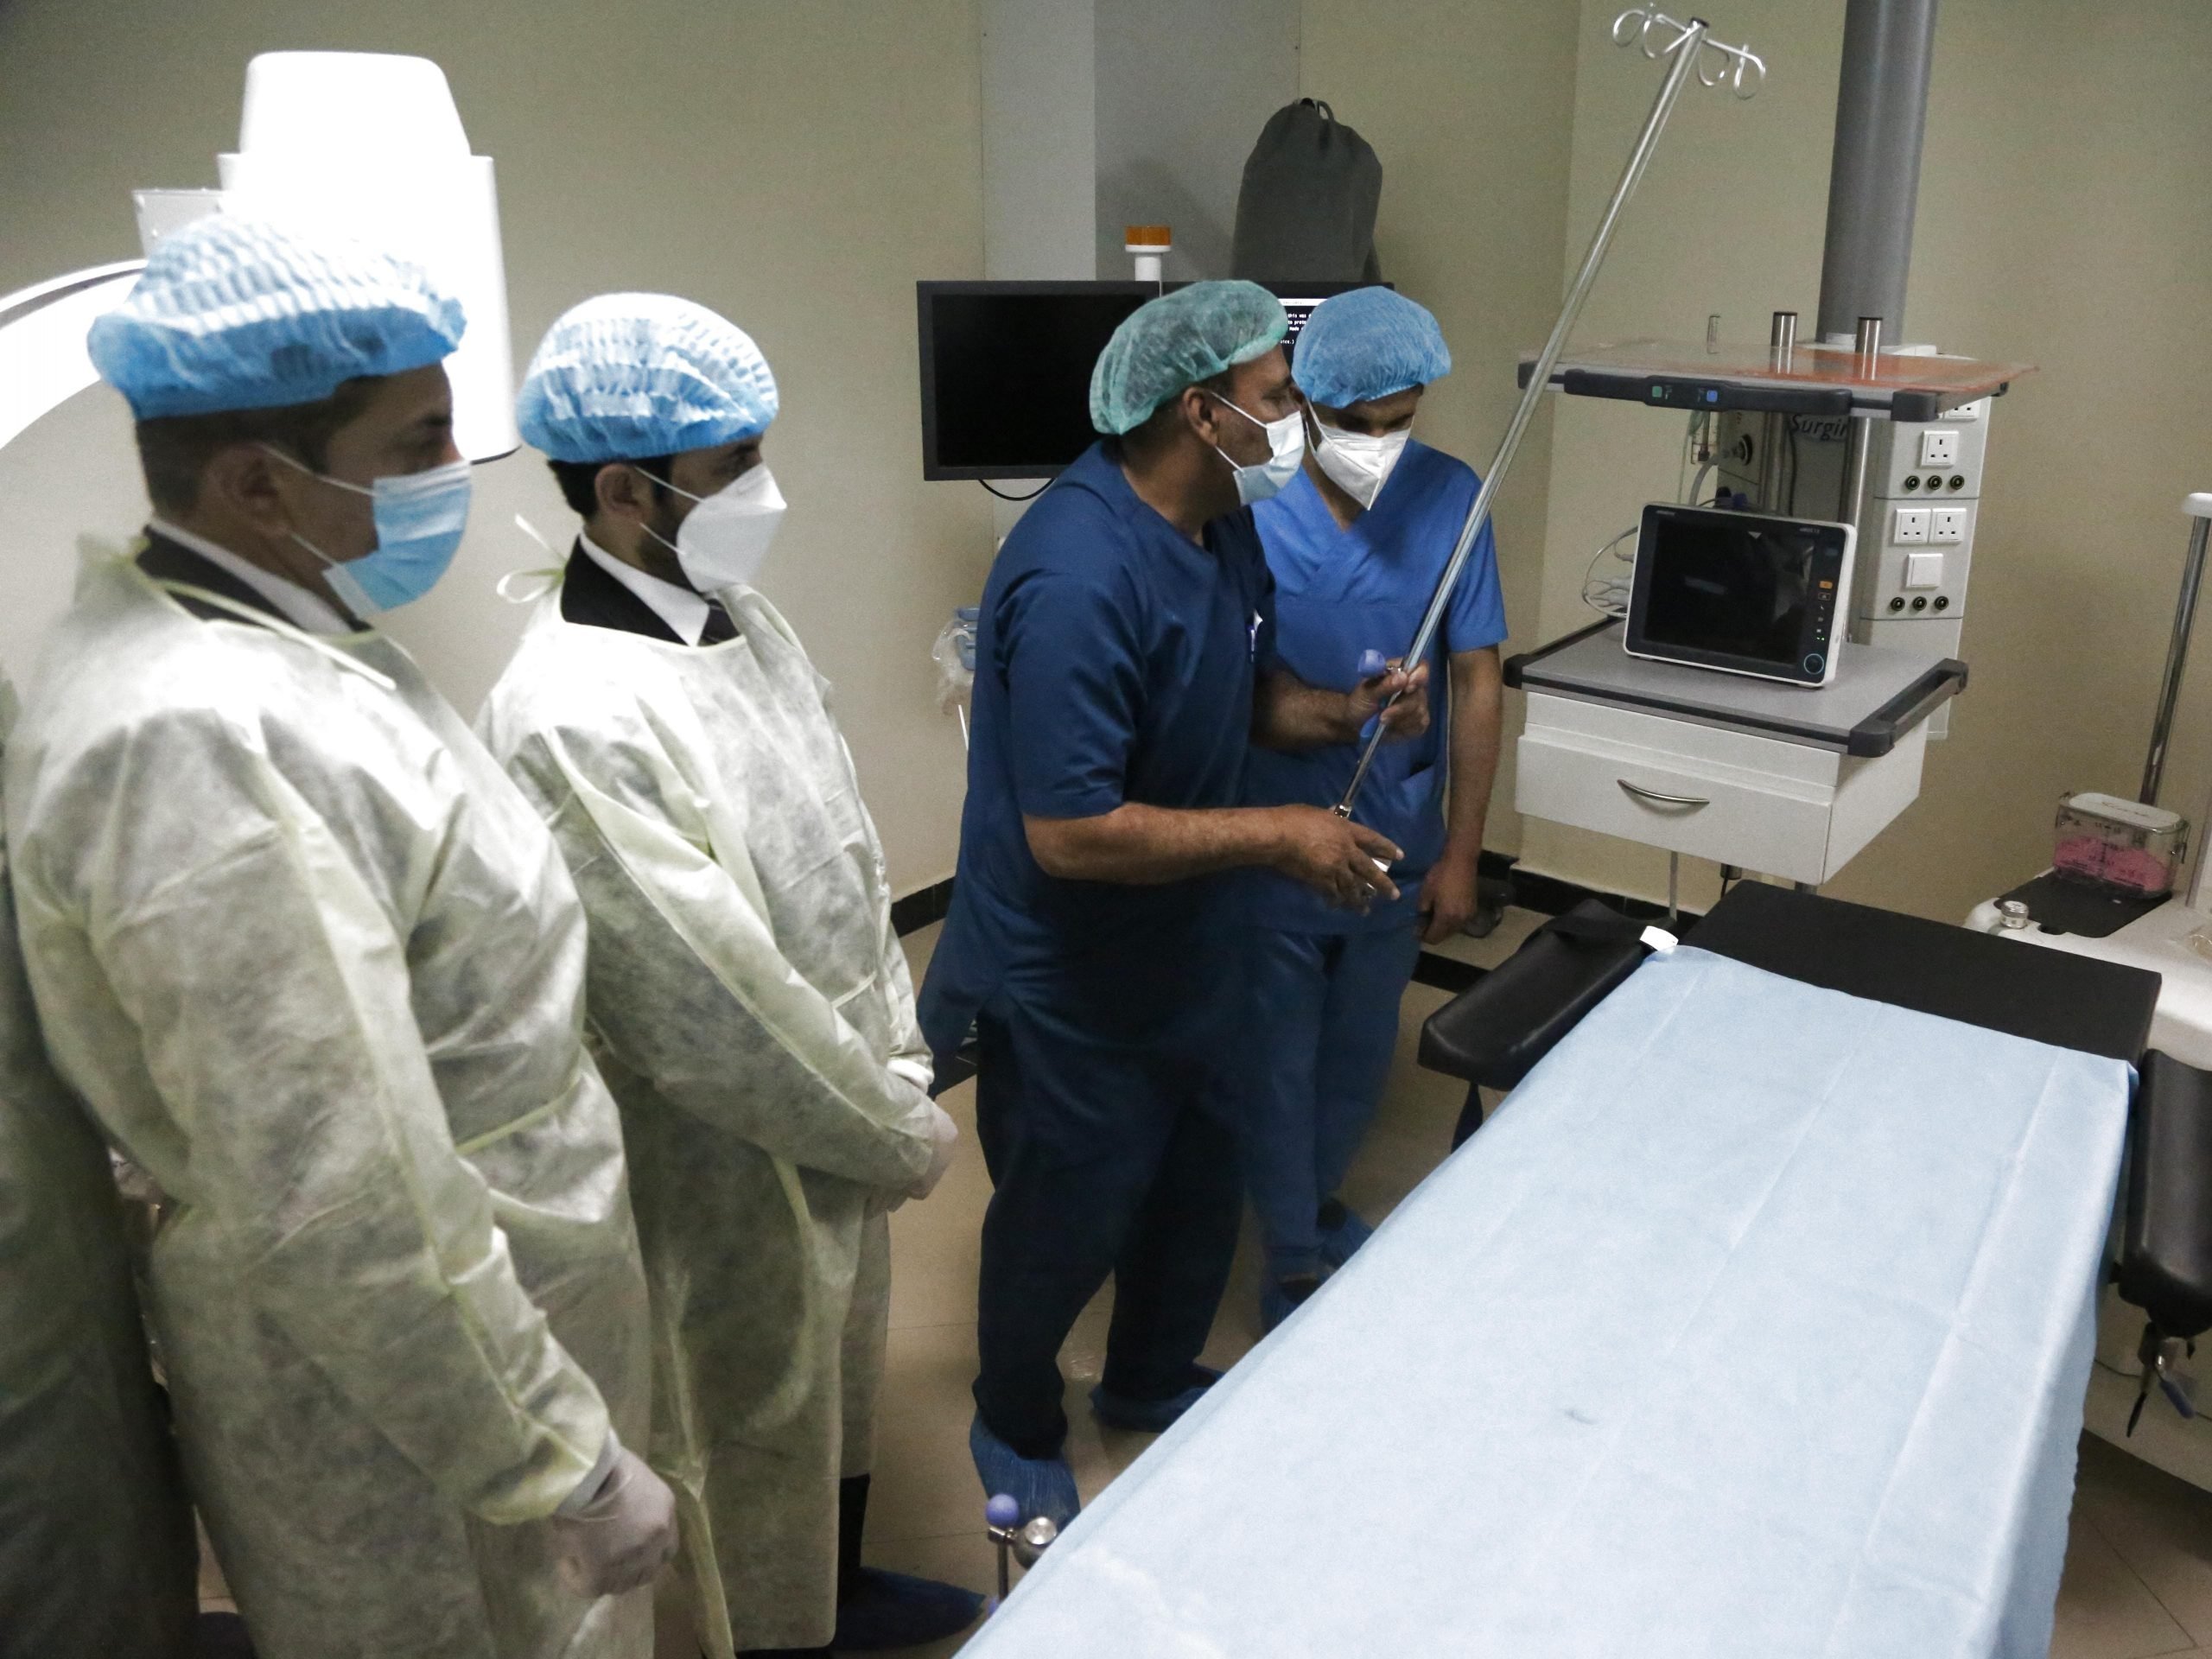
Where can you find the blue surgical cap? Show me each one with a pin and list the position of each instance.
(1177, 340)
(1367, 343)
(628, 376)
(232, 313)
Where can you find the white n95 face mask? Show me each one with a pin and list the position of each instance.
(1285, 447)
(724, 538)
(1359, 464)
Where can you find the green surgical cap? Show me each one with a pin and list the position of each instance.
(1177, 340)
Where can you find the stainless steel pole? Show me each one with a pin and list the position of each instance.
(2192, 579)
(1859, 446)
(1685, 53)
(1781, 350)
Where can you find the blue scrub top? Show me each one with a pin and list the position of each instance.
(1338, 592)
(1115, 662)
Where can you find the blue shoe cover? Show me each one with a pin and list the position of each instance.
(1281, 1298)
(1151, 1416)
(1042, 1486)
(894, 1609)
(1342, 1232)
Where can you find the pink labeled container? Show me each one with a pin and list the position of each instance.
(2119, 845)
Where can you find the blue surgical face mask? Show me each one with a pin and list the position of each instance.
(1286, 449)
(419, 519)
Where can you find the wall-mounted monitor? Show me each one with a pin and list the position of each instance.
(1005, 368)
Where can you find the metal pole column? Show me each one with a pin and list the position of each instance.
(1881, 112)
(2161, 728)
(1859, 446)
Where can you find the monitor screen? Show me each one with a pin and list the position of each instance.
(1739, 590)
(1735, 586)
(1005, 368)
(1006, 373)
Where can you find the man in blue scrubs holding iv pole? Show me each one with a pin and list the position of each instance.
(1126, 658)
(1357, 544)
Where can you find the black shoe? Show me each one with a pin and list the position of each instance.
(895, 1610)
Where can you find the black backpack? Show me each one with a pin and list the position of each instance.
(1305, 212)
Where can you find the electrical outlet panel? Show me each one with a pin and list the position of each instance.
(1910, 570)
(1899, 473)
(1939, 448)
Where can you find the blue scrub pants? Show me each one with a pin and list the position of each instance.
(1322, 1023)
(1106, 1159)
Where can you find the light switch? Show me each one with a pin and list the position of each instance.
(1909, 524)
(1923, 570)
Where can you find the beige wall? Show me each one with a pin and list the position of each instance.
(1469, 106)
(795, 166)
(712, 151)
(2062, 220)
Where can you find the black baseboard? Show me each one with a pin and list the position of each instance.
(920, 907)
(1440, 972)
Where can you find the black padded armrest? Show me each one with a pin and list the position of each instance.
(1494, 1033)
(2166, 1264)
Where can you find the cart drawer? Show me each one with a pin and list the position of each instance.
(1762, 821)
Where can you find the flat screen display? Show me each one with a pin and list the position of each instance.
(1737, 590)
(1005, 368)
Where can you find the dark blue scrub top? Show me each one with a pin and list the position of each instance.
(1340, 592)
(1115, 662)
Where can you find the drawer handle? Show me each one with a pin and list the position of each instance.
(1661, 799)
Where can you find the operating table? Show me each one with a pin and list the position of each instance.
(1758, 1321)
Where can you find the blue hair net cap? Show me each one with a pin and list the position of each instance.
(234, 313)
(1368, 343)
(1177, 340)
(626, 376)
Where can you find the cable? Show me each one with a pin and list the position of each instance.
(1609, 596)
(1003, 496)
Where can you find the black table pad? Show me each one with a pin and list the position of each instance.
(2050, 996)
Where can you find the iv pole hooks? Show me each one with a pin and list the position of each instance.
(1646, 27)
(1738, 65)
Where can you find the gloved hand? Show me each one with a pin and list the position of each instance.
(944, 1137)
(619, 1540)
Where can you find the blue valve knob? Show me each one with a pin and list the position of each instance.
(1002, 1511)
(1371, 663)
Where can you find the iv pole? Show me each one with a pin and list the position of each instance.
(1648, 27)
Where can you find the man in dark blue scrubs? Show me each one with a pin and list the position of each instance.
(1125, 658)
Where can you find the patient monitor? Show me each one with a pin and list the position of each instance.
(1742, 592)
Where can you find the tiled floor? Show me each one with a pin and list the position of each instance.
(2138, 1570)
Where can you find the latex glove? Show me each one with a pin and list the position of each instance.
(944, 1137)
(618, 1540)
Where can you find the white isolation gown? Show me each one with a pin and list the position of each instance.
(318, 969)
(752, 1012)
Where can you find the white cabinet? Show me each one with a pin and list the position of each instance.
(1783, 809)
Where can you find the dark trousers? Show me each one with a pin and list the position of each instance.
(1105, 1159)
